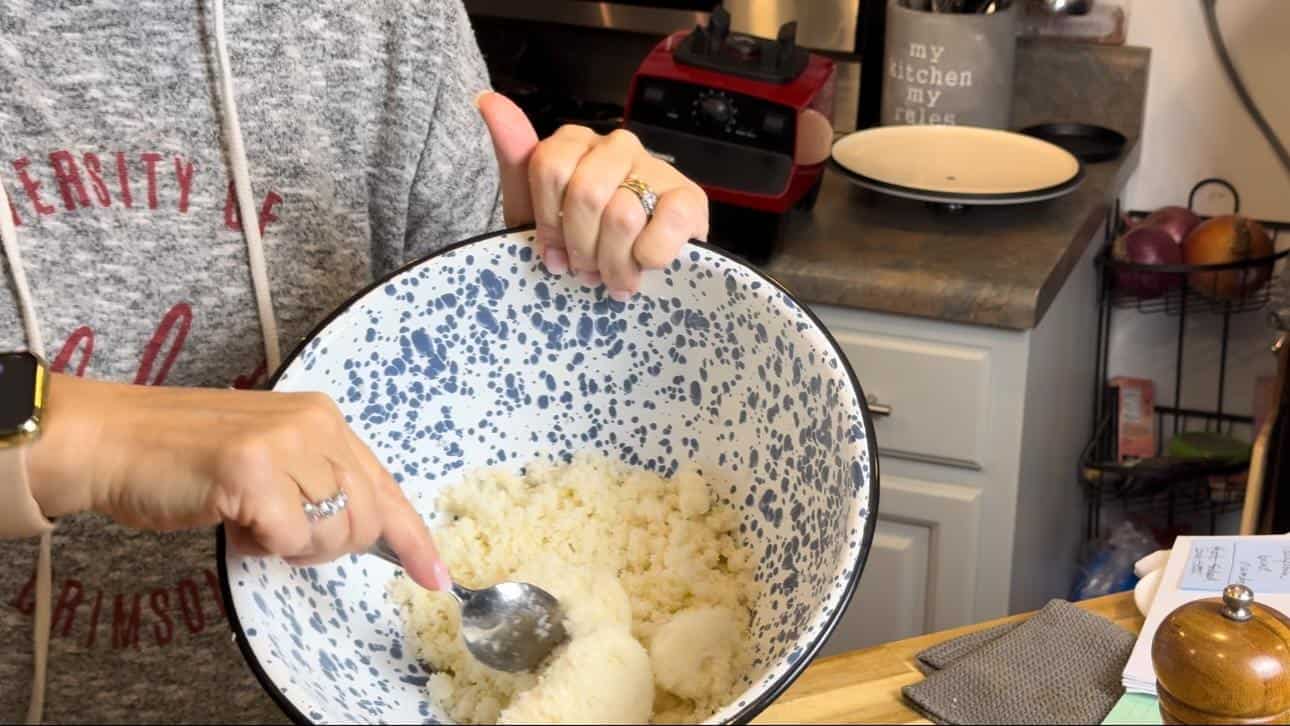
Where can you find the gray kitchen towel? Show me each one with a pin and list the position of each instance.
(1061, 666)
(941, 656)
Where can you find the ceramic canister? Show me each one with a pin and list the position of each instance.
(948, 68)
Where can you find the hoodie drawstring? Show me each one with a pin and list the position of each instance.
(245, 200)
(36, 342)
(44, 568)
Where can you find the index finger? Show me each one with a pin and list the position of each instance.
(401, 526)
(410, 538)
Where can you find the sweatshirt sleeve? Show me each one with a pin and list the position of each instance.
(456, 193)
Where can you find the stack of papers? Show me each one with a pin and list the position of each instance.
(1200, 567)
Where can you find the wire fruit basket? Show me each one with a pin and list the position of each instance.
(1166, 483)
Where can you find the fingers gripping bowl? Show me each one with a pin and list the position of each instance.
(477, 358)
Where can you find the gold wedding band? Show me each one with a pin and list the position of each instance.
(647, 197)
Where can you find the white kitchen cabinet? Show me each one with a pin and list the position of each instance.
(921, 569)
(979, 513)
(894, 590)
(923, 379)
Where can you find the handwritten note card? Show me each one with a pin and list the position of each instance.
(1262, 564)
(1199, 568)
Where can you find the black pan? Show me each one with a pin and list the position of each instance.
(1088, 143)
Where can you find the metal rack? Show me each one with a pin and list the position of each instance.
(1172, 487)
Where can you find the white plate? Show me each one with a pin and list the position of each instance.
(957, 164)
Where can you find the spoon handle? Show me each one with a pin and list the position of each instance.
(382, 549)
(461, 594)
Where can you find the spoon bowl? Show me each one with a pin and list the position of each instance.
(511, 627)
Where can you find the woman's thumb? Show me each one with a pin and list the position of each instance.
(513, 142)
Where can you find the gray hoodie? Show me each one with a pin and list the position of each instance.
(364, 150)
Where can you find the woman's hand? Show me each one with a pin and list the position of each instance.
(568, 185)
(162, 458)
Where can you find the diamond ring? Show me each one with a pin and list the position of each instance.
(329, 507)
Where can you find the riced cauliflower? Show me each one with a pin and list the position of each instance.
(655, 587)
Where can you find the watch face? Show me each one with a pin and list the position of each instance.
(19, 399)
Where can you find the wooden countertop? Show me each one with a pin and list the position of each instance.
(864, 686)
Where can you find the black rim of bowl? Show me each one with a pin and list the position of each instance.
(749, 710)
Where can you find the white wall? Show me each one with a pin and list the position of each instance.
(1195, 128)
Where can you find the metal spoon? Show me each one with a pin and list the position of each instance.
(510, 627)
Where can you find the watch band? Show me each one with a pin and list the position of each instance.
(20, 514)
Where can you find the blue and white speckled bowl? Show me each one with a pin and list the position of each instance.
(477, 357)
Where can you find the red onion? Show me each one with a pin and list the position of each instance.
(1148, 246)
(1178, 222)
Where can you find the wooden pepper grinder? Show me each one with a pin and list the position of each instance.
(1223, 661)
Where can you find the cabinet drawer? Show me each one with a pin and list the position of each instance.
(938, 394)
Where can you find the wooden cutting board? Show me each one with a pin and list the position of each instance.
(864, 686)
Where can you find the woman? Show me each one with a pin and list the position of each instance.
(189, 194)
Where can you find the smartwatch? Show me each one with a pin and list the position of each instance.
(24, 384)
(24, 387)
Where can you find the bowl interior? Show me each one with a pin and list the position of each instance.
(476, 357)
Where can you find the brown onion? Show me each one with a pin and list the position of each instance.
(1230, 238)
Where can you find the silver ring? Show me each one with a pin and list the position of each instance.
(649, 200)
(329, 507)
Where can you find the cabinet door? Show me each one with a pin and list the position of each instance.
(891, 601)
(921, 572)
(953, 514)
